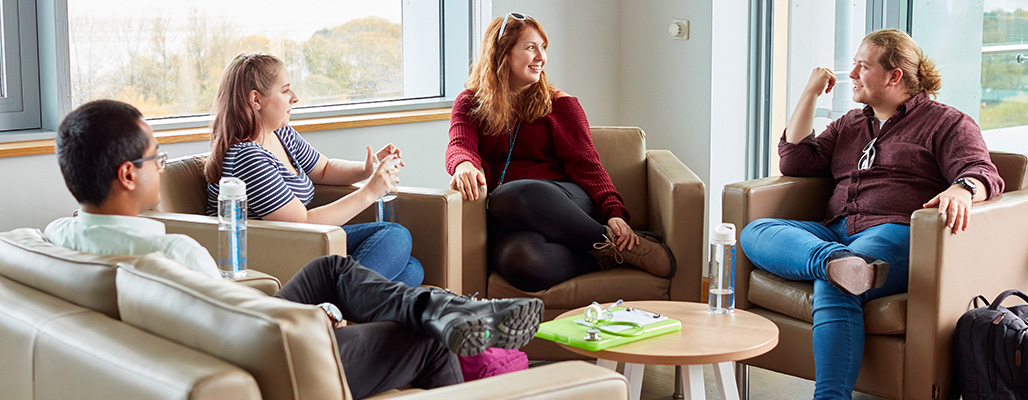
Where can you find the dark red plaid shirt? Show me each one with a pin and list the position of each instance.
(920, 151)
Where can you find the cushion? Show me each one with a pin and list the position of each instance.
(882, 316)
(183, 186)
(627, 283)
(622, 152)
(289, 348)
(81, 278)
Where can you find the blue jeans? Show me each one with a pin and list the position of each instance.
(385, 248)
(797, 250)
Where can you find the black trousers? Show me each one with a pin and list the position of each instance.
(540, 232)
(388, 347)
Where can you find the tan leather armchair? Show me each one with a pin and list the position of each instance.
(909, 336)
(282, 248)
(76, 325)
(662, 195)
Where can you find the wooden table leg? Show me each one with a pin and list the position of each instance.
(634, 373)
(724, 373)
(691, 378)
(608, 364)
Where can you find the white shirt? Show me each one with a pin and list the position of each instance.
(118, 234)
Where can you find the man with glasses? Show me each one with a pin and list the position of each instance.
(112, 165)
(901, 152)
(402, 335)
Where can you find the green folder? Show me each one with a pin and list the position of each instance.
(569, 332)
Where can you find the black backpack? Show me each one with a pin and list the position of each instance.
(991, 351)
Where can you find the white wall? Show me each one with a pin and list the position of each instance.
(34, 191)
(583, 58)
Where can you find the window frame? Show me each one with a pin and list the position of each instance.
(19, 73)
(53, 97)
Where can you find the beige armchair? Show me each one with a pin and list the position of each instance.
(282, 248)
(662, 195)
(909, 335)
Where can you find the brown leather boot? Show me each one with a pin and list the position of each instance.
(855, 273)
(649, 255)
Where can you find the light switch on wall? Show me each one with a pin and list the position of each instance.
(679, 29)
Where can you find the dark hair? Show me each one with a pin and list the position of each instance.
(900, 51)
(93, 141)
(235, 119)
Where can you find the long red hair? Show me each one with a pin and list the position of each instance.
(235, 119)
(497, 105)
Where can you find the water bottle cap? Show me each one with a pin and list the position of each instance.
(231, 189)
(724, 233)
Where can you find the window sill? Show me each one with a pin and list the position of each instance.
(46, 146)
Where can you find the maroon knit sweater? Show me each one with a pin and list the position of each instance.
(557, 146)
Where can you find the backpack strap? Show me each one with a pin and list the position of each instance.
(984, 300)
(1005, 294)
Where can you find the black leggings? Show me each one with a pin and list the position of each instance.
(540, 232)
(388, 348)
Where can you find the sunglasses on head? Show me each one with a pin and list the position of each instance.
(867, 157)
(516, 15)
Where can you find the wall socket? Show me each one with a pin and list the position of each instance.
(679, 29)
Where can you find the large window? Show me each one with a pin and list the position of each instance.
(343, 57)
(166, 58)
(1004, 99)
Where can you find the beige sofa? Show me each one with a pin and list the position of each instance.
(909, 335)
(662, 194)
(75, 325)
(282, 248)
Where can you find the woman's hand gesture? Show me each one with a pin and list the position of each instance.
(466, 180)
(383, 175)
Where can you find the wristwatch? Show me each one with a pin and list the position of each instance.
(967, 184)
(333, 314)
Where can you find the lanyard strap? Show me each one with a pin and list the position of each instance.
(509, 151)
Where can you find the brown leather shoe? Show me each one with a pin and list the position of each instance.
(854, 273)
(650, 255)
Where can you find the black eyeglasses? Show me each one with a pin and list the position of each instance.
(162, 160)
(868, 157)
(516, 15)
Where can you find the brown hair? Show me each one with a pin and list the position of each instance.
(900, 51)
(497, 106)
(235, 119)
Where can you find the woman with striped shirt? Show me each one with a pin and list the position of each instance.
(252, 140)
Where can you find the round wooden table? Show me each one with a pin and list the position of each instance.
(705, 338)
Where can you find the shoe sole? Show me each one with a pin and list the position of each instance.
(855, 276)
(514, 329)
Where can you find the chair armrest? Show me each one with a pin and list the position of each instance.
(267, 241)
(947, 271)
(564, 380)
(267, 284)
(433, 218)
(473, 245)
(773, 197)
(677, 206)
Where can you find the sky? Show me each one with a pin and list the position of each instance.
(1006, 5)
(293, 20)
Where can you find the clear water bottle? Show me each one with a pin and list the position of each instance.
(721, 296)
(232, 228)
(385, 210)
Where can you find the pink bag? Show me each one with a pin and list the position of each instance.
(492, 361)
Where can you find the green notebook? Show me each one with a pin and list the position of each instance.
(568, 331)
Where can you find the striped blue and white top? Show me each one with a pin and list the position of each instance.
(269, 184)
